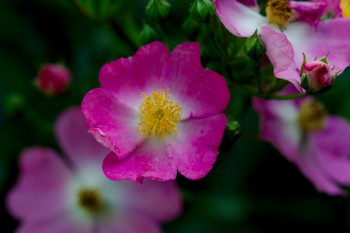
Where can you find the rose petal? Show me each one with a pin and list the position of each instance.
(332, 6)
(279, 125)
(62, 223)
(42, 187)
(112, 123)
(127, 223)
(310, 12)
(193, 86)
(281, 54)
(146, 71)
(159, 200)
(333, 150)
(195, 148)
(240, 20)
(310, 166)
(249, 3)
(150, 160)
(72, 134)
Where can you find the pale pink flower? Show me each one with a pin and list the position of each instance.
(289, 31)
(70, 196)
(53, 79)
(159, 112)
(317, 143)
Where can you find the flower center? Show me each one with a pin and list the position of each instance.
(312, 116)
(279, 12)
(90, 199)
(345, 7)
(159, 115)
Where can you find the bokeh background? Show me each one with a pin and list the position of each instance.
(251, 189)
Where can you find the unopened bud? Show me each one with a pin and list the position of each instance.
(317, 76)
(158, 9)
(147, 34)
(254, 47)
(14, 102)
(203, 10)
(191, 27)
(232, 133)
(53, 79)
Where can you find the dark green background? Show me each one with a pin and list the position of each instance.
(251, 188)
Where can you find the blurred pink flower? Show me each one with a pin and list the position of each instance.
(290, 29)
(53, 79)
(69, 196)
(315, 142)
(159, 112)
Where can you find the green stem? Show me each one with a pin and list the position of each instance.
(285, 97)
(258, 81)
(119, 32)
(250, 91)
(82, 11)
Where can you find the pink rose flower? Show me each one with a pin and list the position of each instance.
(158, 112)
(69, 196)
(290, 29)
(53, 79)
(317, 143)
(317, 76)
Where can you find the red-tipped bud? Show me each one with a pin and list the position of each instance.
(317, 76)
(53, 79)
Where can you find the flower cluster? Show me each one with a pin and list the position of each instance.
(159, 112)
(54, 195)
(289, 30)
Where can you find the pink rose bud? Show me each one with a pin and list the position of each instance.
(317, 76)
(53, 79)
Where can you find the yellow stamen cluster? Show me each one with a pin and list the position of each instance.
(312, 116)
(90, 199)
(279, 12)
(159, 115)
(345, 7)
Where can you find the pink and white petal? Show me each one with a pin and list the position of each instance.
(333, 150)
(149, 160)
(309, 12)
(239, 19)
(311, 167)
(200, 92)
(112, 123)
(332, 6)
(42, 187)
(61, 223)
(281, 54)
(279, 125)
(195, 147)
(249, 3)
(292, 75)
(159, 200)
(123, 222)
(146, 71)
(74, 139)
(330, 36)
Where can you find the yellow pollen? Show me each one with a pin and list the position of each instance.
(279, 12)
(312, 116)
(159, 115)
(90, 199)
(345, 7)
